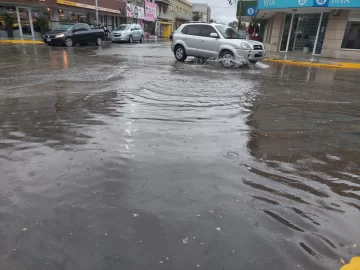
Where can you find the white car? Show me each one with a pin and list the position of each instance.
(210, 40)
(127, 33)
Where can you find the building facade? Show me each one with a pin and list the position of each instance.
(201, 11)
(328, 28)
(182, 12)
(25, 14)
(150, 16)
(164, 23)
(170, 15)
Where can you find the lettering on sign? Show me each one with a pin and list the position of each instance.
(340, 2)
(150, 11)
(269, 2)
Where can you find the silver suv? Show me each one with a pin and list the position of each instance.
(128, 32)
(214, 41)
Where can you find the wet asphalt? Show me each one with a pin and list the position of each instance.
(118, 157)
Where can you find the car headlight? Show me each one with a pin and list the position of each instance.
(245, 46)
(43, 36)
(60, 35)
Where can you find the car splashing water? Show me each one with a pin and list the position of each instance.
(225, 63)
(122, 158)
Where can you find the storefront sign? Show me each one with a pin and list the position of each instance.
(74, 4)
(275, 4)
(133, 11)
(150, 11)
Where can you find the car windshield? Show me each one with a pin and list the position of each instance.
(123, 27)
(64, 27)
(228, 33)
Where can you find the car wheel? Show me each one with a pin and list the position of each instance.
(99, 41)
(226, 58)
(142, 39)
(253, 62)
(130, 39)
(180, 53)
(69, 42)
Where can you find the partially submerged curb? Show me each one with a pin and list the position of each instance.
(19, 41)
(312, 64)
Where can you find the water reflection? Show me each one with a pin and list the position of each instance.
(303, 135)
(105, 161)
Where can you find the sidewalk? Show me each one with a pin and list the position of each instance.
(306, 59)
(30, 40)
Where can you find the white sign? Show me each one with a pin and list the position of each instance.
(133, 11)
(340, 2)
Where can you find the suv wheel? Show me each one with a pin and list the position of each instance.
(226, 58)
(180, 53)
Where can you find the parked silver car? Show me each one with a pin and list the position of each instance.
(214, 41)
(128, 33)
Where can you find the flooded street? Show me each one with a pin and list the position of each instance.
(122, 158)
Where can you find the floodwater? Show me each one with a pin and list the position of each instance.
(121, 158)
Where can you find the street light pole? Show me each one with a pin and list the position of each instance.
(97, 11)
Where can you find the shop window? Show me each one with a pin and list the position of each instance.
(351, 38)
(12, 13)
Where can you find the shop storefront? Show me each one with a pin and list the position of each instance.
(150, 17)
(80, 12)
(25, 20)
(327, 28)
(25, 15)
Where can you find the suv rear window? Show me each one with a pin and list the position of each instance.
(193, 30)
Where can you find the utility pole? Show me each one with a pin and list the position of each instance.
(97, 11)
(239, 22)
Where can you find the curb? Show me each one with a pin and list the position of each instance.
(14, 41)
(312, 64)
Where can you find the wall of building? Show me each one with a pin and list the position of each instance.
(334, 37)
(274, 28)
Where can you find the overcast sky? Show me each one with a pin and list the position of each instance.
(220, 10)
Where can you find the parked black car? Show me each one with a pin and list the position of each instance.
(71, 34)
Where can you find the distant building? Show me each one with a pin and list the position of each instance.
(165, 21)
(182, 12)
(201, 11)
(170, 15)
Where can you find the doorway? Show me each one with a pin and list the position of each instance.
(304, 32)
(25, 22)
